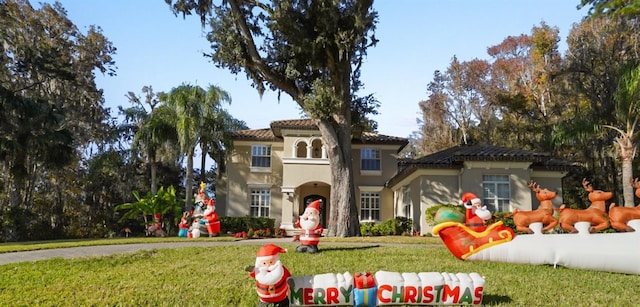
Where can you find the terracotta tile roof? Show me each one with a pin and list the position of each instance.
(275, 133)
(454, 158)
(265, 135)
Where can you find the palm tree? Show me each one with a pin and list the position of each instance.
(192, 104)
(216, 142)
(627, 113)
(156, 131)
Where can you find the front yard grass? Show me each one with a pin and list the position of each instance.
(215, 276)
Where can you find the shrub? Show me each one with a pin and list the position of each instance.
(237, 224)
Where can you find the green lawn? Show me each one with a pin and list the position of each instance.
(215, 276)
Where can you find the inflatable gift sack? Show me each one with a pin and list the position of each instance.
(321, 290)
(429, 288)
(365, 291)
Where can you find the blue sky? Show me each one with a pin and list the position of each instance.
(416, 37)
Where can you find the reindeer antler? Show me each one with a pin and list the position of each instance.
(534, 186)
(635, 183)
(587, 186)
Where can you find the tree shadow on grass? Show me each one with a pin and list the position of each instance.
(490, 299)
(346, 248)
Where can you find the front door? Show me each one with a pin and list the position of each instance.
(323, 207)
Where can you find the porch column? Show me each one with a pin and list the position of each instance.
(286, 221)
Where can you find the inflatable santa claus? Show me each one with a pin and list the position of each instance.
(309, 222)
(476, 213)
(271, 277)
(211, 219)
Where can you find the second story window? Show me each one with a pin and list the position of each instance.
(370, 159)
(260, 156)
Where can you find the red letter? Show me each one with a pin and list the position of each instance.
(478, 294)
(307, 296)
(332, 296)
(381, 298)
(455, 293)
(427, 295)
(410, 294)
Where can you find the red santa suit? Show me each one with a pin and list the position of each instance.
(271, 276)
(211, 218)
(309, 222)
(476, 214)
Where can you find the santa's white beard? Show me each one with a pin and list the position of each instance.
(270, 275)
(483, 213)
(309, 222)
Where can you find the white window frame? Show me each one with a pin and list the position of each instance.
(260, 203)
(370, 205)
(260, 151)
(496, 192)
(406, 202)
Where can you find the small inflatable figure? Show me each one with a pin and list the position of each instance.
(194, 233)
(183, 227)
(211, 219)
(155, 229)
(476, 213)
(312, 230)
(271, 277)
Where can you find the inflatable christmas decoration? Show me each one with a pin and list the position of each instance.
(476, 213)
(183, 227)
(595, 214)
(155, 228)
(544, 213)
(204, 212)
(620, 216)
(581, 248)
(386, 288)
(271, 276)
(309, 222)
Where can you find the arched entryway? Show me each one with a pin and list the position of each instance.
(323, 207)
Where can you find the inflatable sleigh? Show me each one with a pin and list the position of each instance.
(610, 252)
(583, 247)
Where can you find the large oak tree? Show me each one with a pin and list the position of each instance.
(309, 50)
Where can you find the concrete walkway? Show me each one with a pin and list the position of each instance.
(106, 250)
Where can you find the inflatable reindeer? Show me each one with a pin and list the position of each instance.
(595, 214)
(544, 213)
(619, 216)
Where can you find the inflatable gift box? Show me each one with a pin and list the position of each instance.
(364, 293)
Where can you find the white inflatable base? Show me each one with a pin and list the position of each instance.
(610, 252)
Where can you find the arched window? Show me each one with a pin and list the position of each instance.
(316, 149)
(301, 149)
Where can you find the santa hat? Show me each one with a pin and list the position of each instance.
(268, 251)
(211, 203)
(470, 197)
(315, 205)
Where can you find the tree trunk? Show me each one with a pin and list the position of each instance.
(627, 181)
(343, 215)
(189, 181)
(203, 163)
(154, 172)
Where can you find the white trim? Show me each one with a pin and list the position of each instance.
(255, 169)
(371, 173)
(287, 189)
(259, 185)
(305, 161)
(367, 188)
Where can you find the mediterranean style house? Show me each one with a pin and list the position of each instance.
(275, 172)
